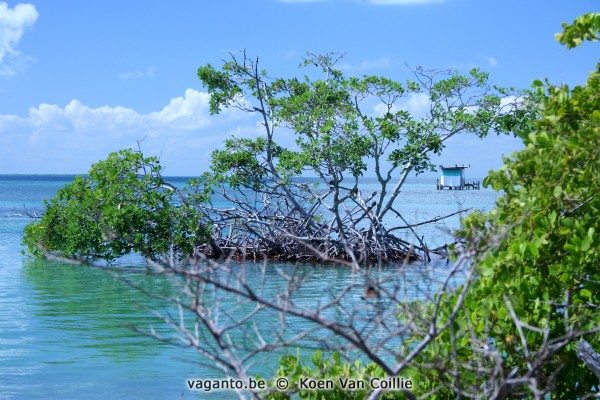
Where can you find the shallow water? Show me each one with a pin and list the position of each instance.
(64, 329)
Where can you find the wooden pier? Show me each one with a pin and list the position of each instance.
(453, 178)
(475, 185)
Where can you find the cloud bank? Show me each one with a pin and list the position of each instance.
(13, 24)
(53, 139)
(69, 139)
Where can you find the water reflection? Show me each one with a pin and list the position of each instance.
(72, 334)
(73, 339)
(91, 308)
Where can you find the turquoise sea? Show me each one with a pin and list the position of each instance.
(64, 329)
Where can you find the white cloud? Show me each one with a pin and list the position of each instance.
(380, 109)
(492, 62)
(55, 139)
(189, 112)
(13, 23)
(139, 73)
(290, 55)
(417, 104)
(384, 62)
(482, 63)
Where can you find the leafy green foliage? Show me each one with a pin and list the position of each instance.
(328, 369)
(537, 281)
(585, 27)
(335, 127)
(238, 163)
(544, 270)
(123, 205)
(344, 125)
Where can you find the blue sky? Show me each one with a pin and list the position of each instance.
(79, 79)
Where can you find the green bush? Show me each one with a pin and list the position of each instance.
(123, 205)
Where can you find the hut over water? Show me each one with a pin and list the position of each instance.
(453, 177)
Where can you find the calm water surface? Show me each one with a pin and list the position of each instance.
(64, 328)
